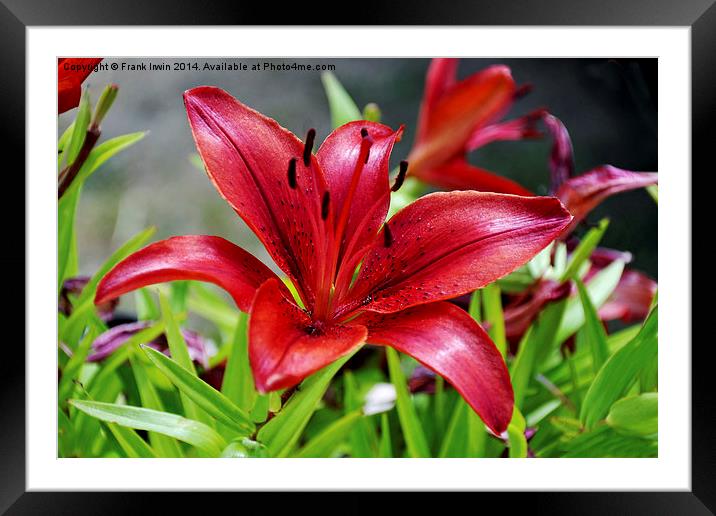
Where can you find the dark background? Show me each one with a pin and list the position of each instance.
(609, 107)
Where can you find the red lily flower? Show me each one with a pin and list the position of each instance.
(582, 193)
(321, 217)
(459, 117)
(71, 73)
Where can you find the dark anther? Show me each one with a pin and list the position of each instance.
(325, 203)
(387, 235)
(401, 176)
(292, 173)
(308, 148)
(363, 132)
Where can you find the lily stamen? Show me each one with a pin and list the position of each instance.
(308, 147)
(292, 173)
(401, 176)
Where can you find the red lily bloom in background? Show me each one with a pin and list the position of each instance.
(321, 217)
(71, 73)
(459, 117)
(580, 194)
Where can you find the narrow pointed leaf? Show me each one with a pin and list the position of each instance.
(636, 415)
(584, 250)
(619, 372)
(192, 432)
(201, 393)
(595, 335)
(325, 443)
(412, 429)
(238, 383)
(340, 103)
(283, 431)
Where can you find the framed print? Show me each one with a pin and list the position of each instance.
(277, 264)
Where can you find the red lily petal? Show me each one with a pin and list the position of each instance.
(631, 299)
(520, 312)
(469, 104)
(458, 174)
(561, 160)
(370, 199)
(441, 77)
(247, 157)
(583, 193)
(71, 73)
(196, 257)
(285, 345)
(447, 340)
(447, 244)
(511, 130)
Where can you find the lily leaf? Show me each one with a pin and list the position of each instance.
(238, 383)
(343, 109)
(201, 393)
(584, 250)
(187, 430)
(325, 443)
(493, 315)
(165, 446)
(620, 372)
(281, 433)
(415, 439)
(599, 288)
(79, 129)
(636, 415)
(595, 335)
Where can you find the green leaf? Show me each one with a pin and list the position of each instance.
(238, 383)
(619, 372)
(362, 436)
(584, 250)
(201, 393)
(62, 143)
(536, 344)
(415, 439)
(474, 308)
(102, 153)
(177, 344)
(74, 364)
(187, 430)
(594, 333)
(66, 242)
(283, 431)
(343, 109)
(654, 192)
(603, 441)
(465, 435)
(243, 448)
(146, 307)
(165, 446)
(209, 304)
(326, 442)
(516, 435)
(636, 415)
(385, 446)
(79, 130)
(599, 288)
(492, 301)
(134, 446)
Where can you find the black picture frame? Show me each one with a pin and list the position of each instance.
(17, 15)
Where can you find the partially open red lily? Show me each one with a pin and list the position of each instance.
(322, 218)
(71, 73)
(582, 193)
(457, 117)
